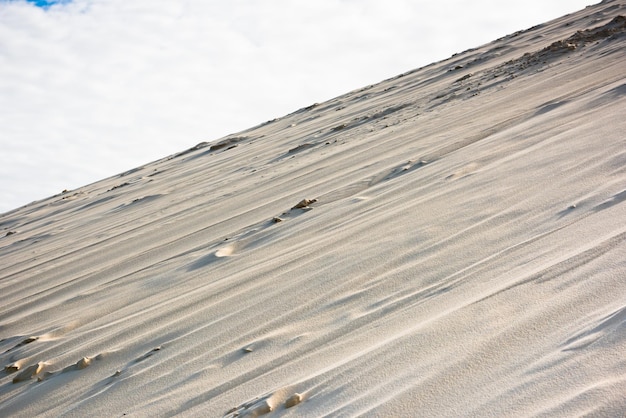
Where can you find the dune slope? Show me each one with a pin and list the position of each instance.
(449, 242)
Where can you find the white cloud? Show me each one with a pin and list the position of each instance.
(90, 88)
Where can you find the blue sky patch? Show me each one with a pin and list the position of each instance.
(45, 3)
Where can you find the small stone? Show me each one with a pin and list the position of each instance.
(277, 219)
(293, 400)
(248, 349)
(304, 203)
(83, 363)
(29, 340)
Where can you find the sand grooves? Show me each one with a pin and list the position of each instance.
(448, 242)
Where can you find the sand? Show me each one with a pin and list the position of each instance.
(450, 242)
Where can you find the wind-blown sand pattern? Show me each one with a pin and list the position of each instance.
(449, 242)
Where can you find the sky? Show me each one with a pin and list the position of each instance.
(92, 88)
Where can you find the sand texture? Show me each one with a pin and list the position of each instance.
(450, 242)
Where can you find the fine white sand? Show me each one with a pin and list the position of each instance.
(462, 252)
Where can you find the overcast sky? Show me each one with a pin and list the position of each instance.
(91, 88)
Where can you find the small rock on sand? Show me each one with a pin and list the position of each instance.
(83, 363)
(304, 203)
(28, 340)
(293, 400)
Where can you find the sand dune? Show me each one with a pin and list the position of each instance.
(449, 242)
